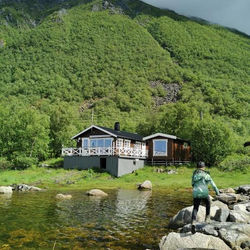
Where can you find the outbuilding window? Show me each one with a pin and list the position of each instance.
(160, 147)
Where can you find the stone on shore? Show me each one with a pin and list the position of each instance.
(187, 240)
(24, 188)
(219, 204)
(228, 191)
(221, 215)
(63, 196)
(96, 192)
(5, 190)
(184, 217)
(234, 234)
(244, 189)
(145, 185)
(228, 198)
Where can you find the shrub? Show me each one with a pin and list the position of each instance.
(23, 162)
(235, 163)
(5, 164)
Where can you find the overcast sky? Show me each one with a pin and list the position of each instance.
(230, 13)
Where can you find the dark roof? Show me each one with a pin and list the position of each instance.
(124, 134)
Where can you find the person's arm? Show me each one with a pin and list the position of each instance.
(210, 180)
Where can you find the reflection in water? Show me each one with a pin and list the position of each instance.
(5, 199)
(126, 219)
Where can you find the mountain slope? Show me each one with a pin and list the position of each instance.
(123, 60)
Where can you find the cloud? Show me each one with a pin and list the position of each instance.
(230, 13)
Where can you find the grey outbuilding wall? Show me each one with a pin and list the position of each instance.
(115, 165)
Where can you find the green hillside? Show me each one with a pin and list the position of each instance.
(151, 69)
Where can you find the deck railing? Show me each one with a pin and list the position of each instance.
(125, 152)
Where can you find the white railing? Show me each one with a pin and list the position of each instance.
(129, 152)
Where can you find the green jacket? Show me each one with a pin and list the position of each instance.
(200, 181)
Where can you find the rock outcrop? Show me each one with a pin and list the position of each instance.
(96, 192)
(229, 227)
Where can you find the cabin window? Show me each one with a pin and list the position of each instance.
(160, 147)
(101, 143)
(119, 143)
(185, 145)
(126, 143)
(85, 142)
(137, 145)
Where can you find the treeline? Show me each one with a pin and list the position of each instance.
(85, 60)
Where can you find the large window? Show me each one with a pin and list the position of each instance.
(160, 147)
(119, 143)
(85, 143)
(101, 143)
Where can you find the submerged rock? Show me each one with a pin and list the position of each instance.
(187, 240)
(63, 196)
(145, 185)
(5, 190)
(96, 192)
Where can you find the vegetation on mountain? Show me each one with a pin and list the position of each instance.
(62, 60)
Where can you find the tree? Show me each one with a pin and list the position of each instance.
(211, 141)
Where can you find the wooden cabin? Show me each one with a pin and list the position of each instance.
(120, 152)
(164, 149)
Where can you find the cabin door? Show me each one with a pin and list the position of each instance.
(103, 163)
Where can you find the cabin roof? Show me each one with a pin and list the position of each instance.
(112, 132)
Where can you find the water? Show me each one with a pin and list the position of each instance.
(126, 219)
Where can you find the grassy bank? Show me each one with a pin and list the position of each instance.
(74, 179)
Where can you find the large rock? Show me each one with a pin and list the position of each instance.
(219, 204)
(239, 216)
(228, 198)
(63, 196)
(233, 234)
(184, 217)
(186, 241)
(245, 189)
(5, 190)
(221, 215)
(145, 185)
(24, 188)
(96, 192)
(227, 190)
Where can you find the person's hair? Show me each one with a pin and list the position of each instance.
(201, 164)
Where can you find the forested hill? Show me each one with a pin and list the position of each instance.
(151, 69)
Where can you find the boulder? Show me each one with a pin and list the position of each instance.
(221, 215)
(239, 216)
(219, 204)
(63, 196)
(184, 217)
(228, 191)
(145, 185)
(5, 190)
(228, 198)
(24, 188)
(245, 189)
(233, 234)
(96, 192)
(186, 241)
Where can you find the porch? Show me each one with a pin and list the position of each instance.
(106, 151)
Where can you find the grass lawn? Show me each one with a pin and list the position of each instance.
(85, 179)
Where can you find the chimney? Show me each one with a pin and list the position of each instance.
(117, 126)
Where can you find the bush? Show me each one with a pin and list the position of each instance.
(5, 164)
(235, 163)
(23, 162)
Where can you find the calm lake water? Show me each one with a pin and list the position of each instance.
(126, 219)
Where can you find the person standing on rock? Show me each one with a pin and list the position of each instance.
(200, 181)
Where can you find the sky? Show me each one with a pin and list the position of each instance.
(229, 13)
